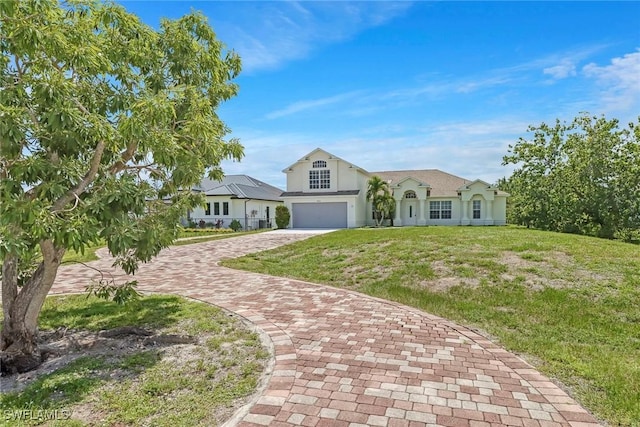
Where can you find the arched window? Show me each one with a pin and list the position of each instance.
(410, 195)
(319, 164)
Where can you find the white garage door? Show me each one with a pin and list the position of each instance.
(319, 215)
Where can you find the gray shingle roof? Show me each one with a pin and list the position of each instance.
(241, 187)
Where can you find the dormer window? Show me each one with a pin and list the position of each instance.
(319, 164)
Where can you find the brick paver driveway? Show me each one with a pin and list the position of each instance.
(346, 359)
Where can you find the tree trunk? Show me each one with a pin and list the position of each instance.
(21, 308)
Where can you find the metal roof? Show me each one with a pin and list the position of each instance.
(241, 187)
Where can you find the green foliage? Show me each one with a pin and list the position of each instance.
(103, 121)
(235, 225)
(582, 177)
(379, 194)
(282, 216)
(119, 293)
(629, 235)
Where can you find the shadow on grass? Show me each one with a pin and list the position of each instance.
(91, 313)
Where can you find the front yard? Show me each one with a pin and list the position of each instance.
(568, 304)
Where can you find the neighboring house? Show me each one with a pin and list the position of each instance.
(325, 191)
(241, 197)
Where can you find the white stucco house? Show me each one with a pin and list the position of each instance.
(325, 191)
(241, 197)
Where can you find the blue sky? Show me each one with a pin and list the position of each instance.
(415, 85)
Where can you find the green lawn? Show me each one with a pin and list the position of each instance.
(150, 385)
(568, 304)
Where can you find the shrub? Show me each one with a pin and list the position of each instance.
(235, 225)
(629, 235)
(282, 216)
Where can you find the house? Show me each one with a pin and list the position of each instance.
(325, 191)
(250, 201)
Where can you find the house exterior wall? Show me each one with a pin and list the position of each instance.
(256, 211)
(500, 210)
(200, 211)
(342, 175)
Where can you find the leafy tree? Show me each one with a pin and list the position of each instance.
(579, 177)
(103, 120)
(282, 216)
(379, 194)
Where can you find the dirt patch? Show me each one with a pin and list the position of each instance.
(444, 283)
(446, 278)
(62, 347)
(441, 268)
(549, 269)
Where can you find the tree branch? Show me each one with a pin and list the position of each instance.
(82, 185)
(126, 155)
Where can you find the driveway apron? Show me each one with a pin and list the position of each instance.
(347, 359)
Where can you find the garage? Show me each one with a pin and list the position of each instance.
(319, 215)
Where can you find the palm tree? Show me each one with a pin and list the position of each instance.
(389, 207)
(379, 195)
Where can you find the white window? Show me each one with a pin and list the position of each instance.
(440, 210)
(446, 209)
(434, 210)
(314, 179)
(319, 164)
(410, 195)
(225, 208)
(319, 179)
(207, 209)
(477, 204)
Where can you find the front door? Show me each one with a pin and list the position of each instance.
(409, 212)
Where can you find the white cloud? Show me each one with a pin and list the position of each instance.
(272, 33)
(620, 81)
(561, 71)
(299, 106)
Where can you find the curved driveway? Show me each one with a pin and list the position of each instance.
(346, 359)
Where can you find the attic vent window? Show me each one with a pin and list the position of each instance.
(319, 164)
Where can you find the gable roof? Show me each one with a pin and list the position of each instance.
(467, 186)
(441, 184)
(239, 187)
(320, 150)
